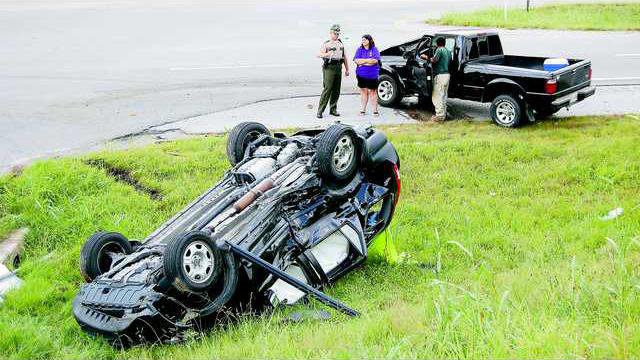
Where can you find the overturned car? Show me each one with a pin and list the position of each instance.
(293, 214)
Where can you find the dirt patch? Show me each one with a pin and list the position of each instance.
(124, 176)
(419, 112)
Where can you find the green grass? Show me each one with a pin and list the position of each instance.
(565, 17)
(502, 250)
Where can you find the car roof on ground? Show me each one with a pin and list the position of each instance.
(467, 31)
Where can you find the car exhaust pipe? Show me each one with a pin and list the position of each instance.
(248, 198)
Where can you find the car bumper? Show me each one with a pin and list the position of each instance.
(99, 323)
(101, 309)
(570, 99)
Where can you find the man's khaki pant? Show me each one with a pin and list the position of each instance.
(439, 95)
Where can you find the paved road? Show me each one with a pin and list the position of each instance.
(76, 73)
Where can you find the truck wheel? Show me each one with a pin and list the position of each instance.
(338, 153)
(97, 254)
(506, 111)
(543, 113)
(192, 262)
(240, 137)
(389, 93)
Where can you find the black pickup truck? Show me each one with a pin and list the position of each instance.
(518, 87)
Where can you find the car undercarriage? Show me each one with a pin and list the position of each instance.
(293, 215)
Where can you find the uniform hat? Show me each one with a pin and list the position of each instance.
(335, 28)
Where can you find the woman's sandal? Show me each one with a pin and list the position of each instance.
(362, 113)
(375, 113)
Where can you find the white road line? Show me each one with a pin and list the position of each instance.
(227, 67)
(628, 55)
(616, 78)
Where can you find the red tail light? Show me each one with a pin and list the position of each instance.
(589, 74)
(551, 86)
(396, 173)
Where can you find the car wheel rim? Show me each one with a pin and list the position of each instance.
(385, 90)
(505, 112)
(343, 154)
(197, 262)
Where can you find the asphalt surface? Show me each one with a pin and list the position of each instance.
(74, 74)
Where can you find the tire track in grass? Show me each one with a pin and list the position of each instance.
(124, 176)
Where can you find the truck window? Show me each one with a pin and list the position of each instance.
(495, 47)
(483, 46)
(450, 43)
(471, 48)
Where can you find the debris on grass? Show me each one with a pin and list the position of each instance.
(613, 214)
(16, 170)
(300, 316)
(8, 281)
(11, 247)
(10, 250)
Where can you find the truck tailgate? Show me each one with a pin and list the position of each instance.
(573, 77)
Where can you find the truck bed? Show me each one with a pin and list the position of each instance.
(574, 76)
(525, 62)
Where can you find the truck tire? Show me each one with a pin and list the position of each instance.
(192, 262)
(96, 254)
(240, 137)
(389, 92)
(506, 111)
(338, 153)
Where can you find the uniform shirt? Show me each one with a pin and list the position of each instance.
(441, 58)
(338, 53)
(368, 71)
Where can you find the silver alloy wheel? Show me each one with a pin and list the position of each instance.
(385, 90)
(197, 261)
(505, 112)
(343, 154)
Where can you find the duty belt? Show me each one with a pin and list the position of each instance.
(333, 61)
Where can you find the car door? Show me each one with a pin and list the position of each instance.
(420, 68)
(471, 81)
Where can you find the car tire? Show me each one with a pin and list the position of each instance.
(506, 111)
(388, 92)
(240, 137)
(192, 262)
(95, 259)
(338, 153)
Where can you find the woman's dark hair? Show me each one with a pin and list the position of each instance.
(372, 44)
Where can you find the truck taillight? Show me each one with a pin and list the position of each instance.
(589, 74)
(551, 86)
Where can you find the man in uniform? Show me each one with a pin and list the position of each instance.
(440, 61)
(333, 56)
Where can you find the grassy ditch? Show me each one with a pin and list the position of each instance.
(503, 252)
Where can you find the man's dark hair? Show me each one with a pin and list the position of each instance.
(372, 44)
(440, 41)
